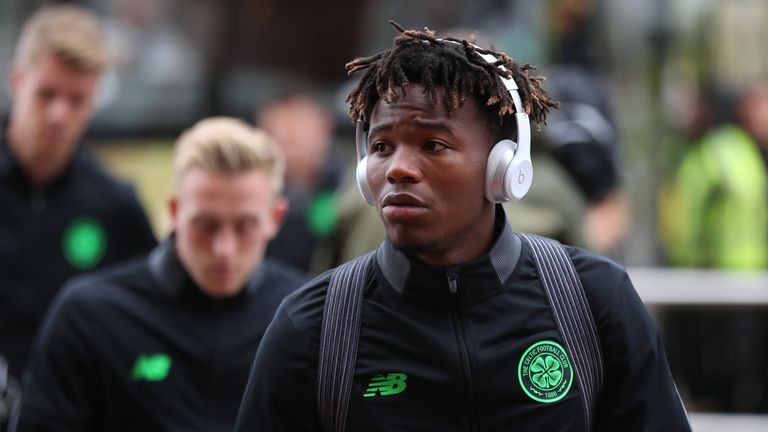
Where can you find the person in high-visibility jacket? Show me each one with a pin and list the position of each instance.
(716, 216)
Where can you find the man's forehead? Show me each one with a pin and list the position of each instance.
(411, 97)
(208, 207)
(206, 214)
(251, 184)
(421, 106)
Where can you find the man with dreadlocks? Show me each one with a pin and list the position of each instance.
(457, 323)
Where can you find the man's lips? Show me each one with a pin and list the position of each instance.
(402, 199)
(222, 271)
(402, 206)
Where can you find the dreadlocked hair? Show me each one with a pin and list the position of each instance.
(455, 65)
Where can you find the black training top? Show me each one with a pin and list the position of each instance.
(470, 347)
(84, 220)
(141, 348)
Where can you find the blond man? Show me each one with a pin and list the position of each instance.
(62, 213)
(166, 342)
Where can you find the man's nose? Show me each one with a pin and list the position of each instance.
(224, 243)
(59, 110)
(403, 166)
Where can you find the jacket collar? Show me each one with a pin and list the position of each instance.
(476, 279)
(174, 281)
(8, 163)
(166, 268)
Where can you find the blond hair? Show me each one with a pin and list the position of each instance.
(230, 146)
(70, 32)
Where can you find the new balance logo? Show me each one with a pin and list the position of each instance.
(386, 385)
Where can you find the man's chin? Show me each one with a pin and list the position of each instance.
(413, 246)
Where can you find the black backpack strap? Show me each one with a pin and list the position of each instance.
(338, 341)
(572, 315)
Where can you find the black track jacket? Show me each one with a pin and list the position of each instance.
(487, 357)
(85, 220)
(141, 348)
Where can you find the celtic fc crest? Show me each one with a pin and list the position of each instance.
(545, 372)
(84, 243)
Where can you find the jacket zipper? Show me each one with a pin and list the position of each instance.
(216, 364)
(458, 323)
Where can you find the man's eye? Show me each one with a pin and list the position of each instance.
(379, 147)
(206, 226)
(46, 94)
(245, 227)
(434, 146)
(76, 101)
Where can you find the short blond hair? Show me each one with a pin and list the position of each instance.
(70, 32)
(230, 146)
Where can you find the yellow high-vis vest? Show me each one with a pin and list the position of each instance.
(716, 212)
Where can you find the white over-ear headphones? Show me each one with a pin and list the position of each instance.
(509, 171)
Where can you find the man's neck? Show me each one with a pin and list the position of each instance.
(37, 177)
(470, 249)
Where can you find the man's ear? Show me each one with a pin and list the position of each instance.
(173, 210)
(279, 209)
(15, 76)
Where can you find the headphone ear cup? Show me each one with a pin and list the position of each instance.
(508, 176)
(519, 177)
(362, 180)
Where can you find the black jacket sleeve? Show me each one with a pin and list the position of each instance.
(639, 393)
(280, 395)
(60, 391)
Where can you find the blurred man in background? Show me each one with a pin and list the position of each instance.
(62, 214)
(166, 342)
(715, 215)
(582, 138)
(720, 208)
(303, 129)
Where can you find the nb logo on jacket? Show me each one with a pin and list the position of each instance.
(386, 385)
(151, 367)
